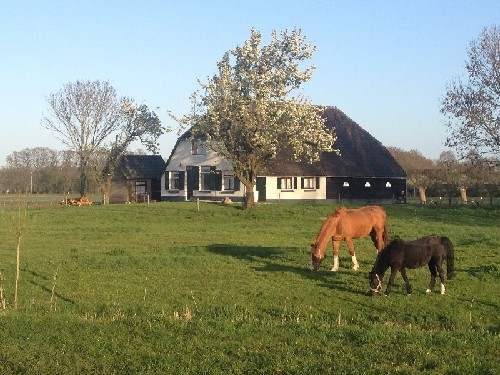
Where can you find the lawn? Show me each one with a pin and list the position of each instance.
(177, 288)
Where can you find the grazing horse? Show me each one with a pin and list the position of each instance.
(348, 224)
(400, 255)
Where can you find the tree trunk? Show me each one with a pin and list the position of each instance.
(106, 189)
(421, 193)
(83, 176)
(463, 195)
(249, 195)
(249, 199)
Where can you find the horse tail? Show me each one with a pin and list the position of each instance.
(385, 235)
(450, 257)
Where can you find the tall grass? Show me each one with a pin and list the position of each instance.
(165, 288)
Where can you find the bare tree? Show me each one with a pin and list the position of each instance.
(83, 115)
(138, 123)
(472, 107)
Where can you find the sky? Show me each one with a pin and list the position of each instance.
(385, 64)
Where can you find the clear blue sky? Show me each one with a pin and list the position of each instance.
(384, 63)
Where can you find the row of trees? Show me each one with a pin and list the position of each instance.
(473, 175)
(98, 127)
(43, 170)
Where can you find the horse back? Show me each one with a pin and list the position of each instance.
(359, 222)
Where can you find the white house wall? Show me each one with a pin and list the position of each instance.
(275, 194)
(182, 158)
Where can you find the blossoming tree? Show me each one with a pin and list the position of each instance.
(248, 111)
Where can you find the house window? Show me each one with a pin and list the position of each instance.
(286, 183)
(198, 147)
(228, 181)
(175, 181)
(140, 187)
(205, 178)
(308, 183)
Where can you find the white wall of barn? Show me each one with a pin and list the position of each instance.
(273, 193)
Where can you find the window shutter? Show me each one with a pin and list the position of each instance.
(279, 182)
(295, 182)
(317, 182)
(302, 183)
(216, 180)
(236, 183)
(167, 174)
(181, 180)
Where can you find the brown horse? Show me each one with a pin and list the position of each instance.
(348, 224)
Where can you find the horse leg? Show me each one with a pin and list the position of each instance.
(350, 244)
(409, 288)
(377, 238)
(432, 268)
(336, 247)
(441, 275)
(394, 272)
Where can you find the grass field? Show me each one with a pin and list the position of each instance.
(166, 288)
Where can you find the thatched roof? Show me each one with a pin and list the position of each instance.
(136, 167)
(361, 155)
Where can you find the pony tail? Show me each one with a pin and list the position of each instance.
(450, 257)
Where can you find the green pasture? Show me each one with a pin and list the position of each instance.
(177, 288)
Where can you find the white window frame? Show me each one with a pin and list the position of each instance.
(309, 183)
(228, 180)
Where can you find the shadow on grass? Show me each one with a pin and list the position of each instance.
(45, 288)
(272, 260)
(249, 254)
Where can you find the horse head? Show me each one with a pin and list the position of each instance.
(315, 257)
(375, 283)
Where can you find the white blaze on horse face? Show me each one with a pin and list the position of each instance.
(335, 267)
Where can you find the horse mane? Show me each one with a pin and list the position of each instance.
(338, 211)
(322, 238)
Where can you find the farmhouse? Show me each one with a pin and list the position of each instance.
(364, 171)
(138, 179)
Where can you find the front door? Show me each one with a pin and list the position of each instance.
(193, 180)
(260, 185)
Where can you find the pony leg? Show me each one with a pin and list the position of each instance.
(409, 288)
(394, 271)
(441, 275)
(432, 268)
(336, 247)
(355, 264)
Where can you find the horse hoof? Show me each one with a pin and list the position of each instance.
(355, 268)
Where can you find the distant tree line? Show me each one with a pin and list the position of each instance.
(40, 170)
(447, 177)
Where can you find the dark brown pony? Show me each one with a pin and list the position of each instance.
(348, 224)
(400, 255)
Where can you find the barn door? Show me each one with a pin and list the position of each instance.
(260, 186)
